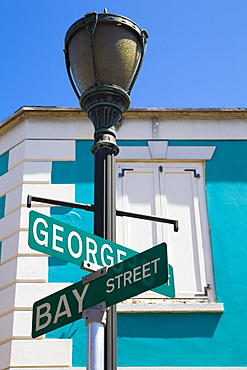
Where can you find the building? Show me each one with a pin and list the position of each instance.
(183, 164)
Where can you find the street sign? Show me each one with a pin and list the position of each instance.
(75, 245)
(72, 244)
(140, 273)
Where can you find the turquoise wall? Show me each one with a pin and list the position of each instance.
(4, 162)
(192, 339)
(2, 208)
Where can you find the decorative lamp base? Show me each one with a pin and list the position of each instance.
(104, 106)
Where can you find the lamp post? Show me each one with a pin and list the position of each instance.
(103, 54)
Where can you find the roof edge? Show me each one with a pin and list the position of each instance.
(133, 113)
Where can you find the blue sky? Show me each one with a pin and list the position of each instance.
(196, 54)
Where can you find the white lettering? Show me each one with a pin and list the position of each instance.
(46, 314)
(42, 232)
(89, 251)
(77, 236)
(80, 297)
(136, 273)
(67, 312)
(145, 270)
(127, 277)
(56, 237)
(155, 265)
(110, 285)
(110, 258)
(118, 280)
(119, 253)
(132, 276)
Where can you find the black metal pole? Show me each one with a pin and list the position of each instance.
(105, 150)
(104, 98)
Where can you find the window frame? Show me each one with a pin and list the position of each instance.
(194, 158)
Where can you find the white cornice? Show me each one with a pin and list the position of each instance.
(137, 124)
(133, 113)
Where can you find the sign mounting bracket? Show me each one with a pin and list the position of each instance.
(94, 275)
(96, 314)
(92, 208)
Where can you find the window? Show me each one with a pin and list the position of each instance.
(173, 190)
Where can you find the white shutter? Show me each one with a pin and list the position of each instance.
(172, 193)
(180, 201)
(138, 192)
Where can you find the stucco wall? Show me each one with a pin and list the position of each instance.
(144, 339)
(177, 339)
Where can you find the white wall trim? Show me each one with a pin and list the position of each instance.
(133, 368)
(182, 129)
(190, 152)
(160, 150)
(171, 307)
(131, 128)
(32, 353)
(42, 150)
(25, 173)
(177, 368)
(18, 197)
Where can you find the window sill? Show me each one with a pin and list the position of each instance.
(173, 306)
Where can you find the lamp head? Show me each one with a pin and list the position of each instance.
(103, 54)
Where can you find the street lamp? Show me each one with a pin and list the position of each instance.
(103, 54)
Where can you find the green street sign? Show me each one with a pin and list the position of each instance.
(140, 273)
(72, 244)
(75, 245)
